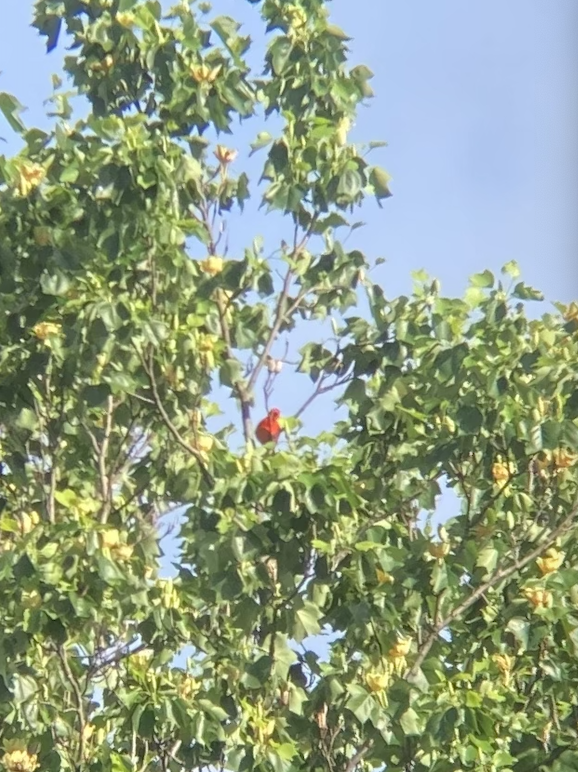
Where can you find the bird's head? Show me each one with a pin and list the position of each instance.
(274, 413)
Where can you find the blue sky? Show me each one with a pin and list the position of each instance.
(479, 105)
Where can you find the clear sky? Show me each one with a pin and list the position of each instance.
(478, 101)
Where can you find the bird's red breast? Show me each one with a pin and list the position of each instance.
(269, 429)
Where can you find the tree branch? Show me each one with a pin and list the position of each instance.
(169, 424)
(243, 392)
(321, 389)
(52, 494)
(281, 311)
(78, 696)
(358, 756)
(96, 666)
(496, 577)
(48, 461)
(105, 477)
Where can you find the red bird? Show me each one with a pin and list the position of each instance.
(269, 429)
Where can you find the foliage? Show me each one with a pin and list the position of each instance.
(121, 315)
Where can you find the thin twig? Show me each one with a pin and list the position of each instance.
(282, 311)
(321, 389)
(170, 425)
(315, 393)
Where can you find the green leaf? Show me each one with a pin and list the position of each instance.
(361, 73)
(120, 763)
(225, 27)
(107, 313)
(263, 139)
(67, 498)
(349, 185)
(419, 680)
(336, 32)
(51, 29)
(520, 629)
(11, 109)
(306, 621)
(108, 571)
(379, 179)
(242, 189)
(213, 710)
(473, 699)
(278, 759)
(439, 579)
(488, 558)
(359, 702)
(366, 546)
(280, 51)
(333, 220)
(411, 723)
(420, 276)
(23, 687)
(553, 434)
(56, 283)
(154, 331)
(27, 419)
(568, 436)
(482, 280)
(96, 396)
(146, 724)
(230, 372)
(69, 173)
(511, 269)
(474, 296)
(525, 292)
(470, 419)
(534, 433)
(257, 673)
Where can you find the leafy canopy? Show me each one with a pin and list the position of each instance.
(316, 620)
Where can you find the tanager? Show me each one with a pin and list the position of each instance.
(269, 429)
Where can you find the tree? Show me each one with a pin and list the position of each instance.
(121, 313)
